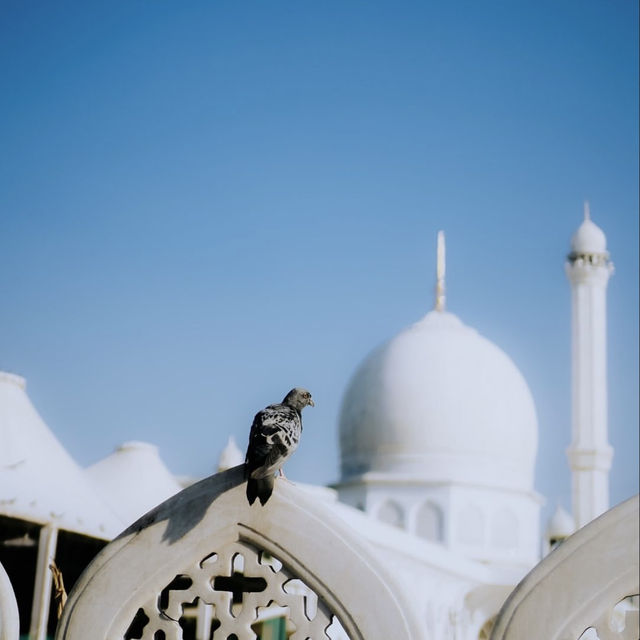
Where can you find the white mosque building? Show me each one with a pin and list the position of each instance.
(440, 491)
(462, 473)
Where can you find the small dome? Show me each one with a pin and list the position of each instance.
(133, 480)
(231, 456)
(439, 403)
(589, 238)
(561, 524)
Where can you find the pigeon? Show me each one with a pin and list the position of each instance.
(274, 436)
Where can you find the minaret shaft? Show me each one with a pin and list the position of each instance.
(589, 453)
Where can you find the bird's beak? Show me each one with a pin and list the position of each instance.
(311, 404)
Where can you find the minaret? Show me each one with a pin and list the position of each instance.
(588, 268)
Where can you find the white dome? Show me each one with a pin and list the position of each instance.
(561, 524)
(589, 238)
(231, 456)
(133, 480)
(439, 403)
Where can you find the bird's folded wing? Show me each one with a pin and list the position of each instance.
(266, 440)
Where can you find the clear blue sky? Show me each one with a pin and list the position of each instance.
(206, 203)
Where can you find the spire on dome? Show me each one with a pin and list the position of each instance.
(440, 273)
(587, 211)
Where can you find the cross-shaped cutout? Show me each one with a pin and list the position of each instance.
(238, 584)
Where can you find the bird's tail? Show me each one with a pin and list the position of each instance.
(260, 488)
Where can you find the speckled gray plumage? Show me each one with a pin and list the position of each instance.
(275, 434)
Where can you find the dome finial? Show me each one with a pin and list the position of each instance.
(587, 212)
(440, 272)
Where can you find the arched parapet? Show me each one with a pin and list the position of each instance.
(9, 619)
(582, 588)
(208, 548)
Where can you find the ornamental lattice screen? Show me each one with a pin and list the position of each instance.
(206, 566)
(239, 591)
